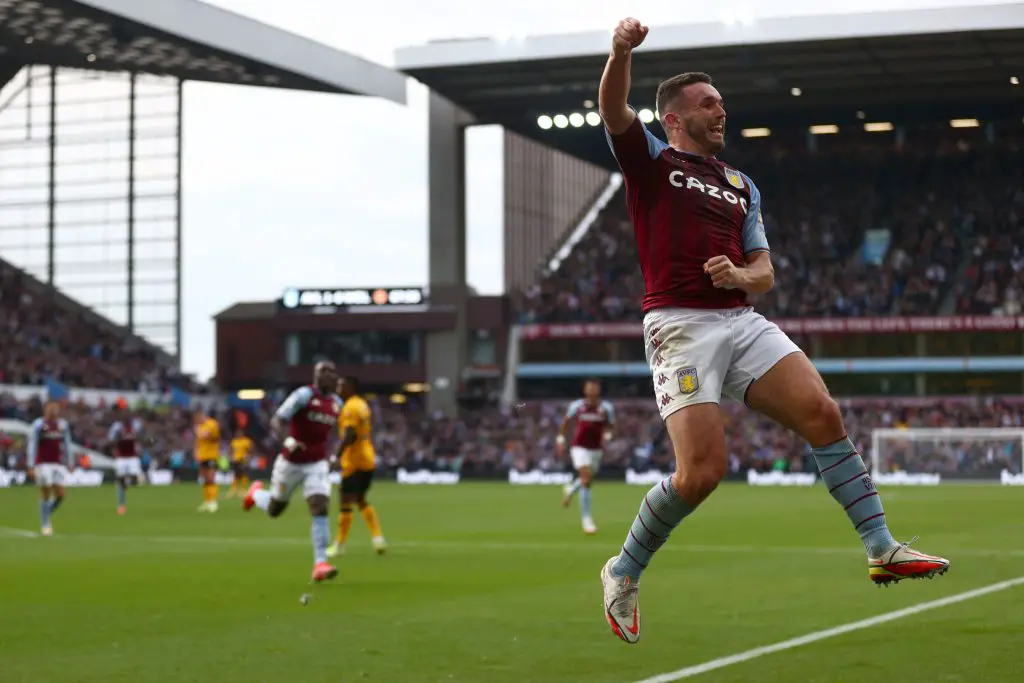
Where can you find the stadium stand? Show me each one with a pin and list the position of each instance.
(950, 201)
(46, 335)
(489, 442)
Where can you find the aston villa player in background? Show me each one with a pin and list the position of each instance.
(304, 424)
(594, 422)
(123, 437)
(50, 457)
(702, 249)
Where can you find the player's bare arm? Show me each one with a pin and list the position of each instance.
(347, 439)
(613, 95)
(280, 432)
(756, 277)
(560, 439)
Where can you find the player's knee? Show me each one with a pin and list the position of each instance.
(695, 483)
(823, 420)
(276, 507)
(318, 506)
(699, 470)
(361, 502)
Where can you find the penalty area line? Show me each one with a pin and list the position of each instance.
(816, 636)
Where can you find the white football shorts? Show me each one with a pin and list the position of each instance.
(127, 467)
(585, 457)
(51, 474)
(287, 475)
(697, 355)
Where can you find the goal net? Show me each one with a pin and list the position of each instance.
(928, 455)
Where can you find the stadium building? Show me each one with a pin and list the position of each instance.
(379, 334)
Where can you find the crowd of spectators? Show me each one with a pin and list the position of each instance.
(43, 336)
(921, 223)
(489, 441)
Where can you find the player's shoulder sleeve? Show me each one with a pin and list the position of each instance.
(754, 237)
(609, 411)
(296, 401)
(113, 432)
(37, 426)
(573, 408)
(364, 408)
(635, 149)
(353, 412)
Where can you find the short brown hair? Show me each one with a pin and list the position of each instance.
(670, 88)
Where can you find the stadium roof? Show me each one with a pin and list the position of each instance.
(248, 310)
(182, 38)
(953, 59)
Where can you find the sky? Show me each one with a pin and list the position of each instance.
(298, 188)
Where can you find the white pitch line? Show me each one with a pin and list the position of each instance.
(850, 551)
(814, 637)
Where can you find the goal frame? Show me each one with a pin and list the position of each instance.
(937, 433)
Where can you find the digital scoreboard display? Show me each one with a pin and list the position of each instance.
(294, 299)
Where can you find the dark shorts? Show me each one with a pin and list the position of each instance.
(358, 482)
(208, 465)
(239, 467)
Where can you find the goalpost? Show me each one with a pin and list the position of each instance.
(956, 452)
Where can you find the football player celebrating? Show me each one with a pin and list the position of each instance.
(702, 248)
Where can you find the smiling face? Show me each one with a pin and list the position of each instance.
(692, 114)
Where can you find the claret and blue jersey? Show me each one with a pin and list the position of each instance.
(685, 210)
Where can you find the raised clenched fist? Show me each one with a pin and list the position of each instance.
(628, 35)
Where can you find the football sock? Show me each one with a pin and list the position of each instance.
(44, 512)
(574, 486)
(344, 524)
(321, 538)
(585, 502)
(243, 482)
(849, 482)
(55, 503)
(661, 511)
(234, 486)
(120, 493)
(210, 493)
(262, 499)
(372, 521)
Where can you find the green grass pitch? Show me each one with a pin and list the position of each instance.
(488, 583)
